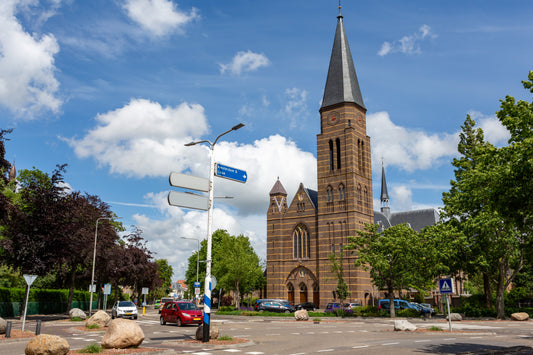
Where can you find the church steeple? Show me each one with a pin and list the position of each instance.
(341, 83)
(385, 207)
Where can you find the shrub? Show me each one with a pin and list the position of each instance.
(225, 337)
(408, 312)
(226, 300)
(92, 349)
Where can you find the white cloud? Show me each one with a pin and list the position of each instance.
(407, 44)
(159, 17)
(402, 197)
(142, 138)
(493, 131)
(245, 62)
(296, 106)
(27, 82)
(408, 149)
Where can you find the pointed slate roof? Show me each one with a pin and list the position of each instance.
(384, 191)
(341, 84)
(278, 189)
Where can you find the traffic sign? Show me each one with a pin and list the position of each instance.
(188, 200)
(446, 286)
(230, 173)
(189, 182)
(196, 284)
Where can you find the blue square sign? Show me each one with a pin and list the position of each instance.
(446, 286)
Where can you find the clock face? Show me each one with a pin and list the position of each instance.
(333, 118)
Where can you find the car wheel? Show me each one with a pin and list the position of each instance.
(112, 316)
(314, 309)
(135, 317)
(287, 311)
(178, 322)
(162, 321)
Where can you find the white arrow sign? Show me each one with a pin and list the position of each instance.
(189, 182)
(186, 200)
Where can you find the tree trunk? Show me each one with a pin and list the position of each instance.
(500, 302)
(487, 290)
(71, 288)
(392, 308)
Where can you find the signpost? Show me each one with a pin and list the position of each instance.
(189, 182)
(446, 288)
(227, 172)
(107, 291)
(29, 280)
(144, 292)
(188, 200)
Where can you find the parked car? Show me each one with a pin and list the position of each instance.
(275, 306)
(398, 305)
(333, 306)
(181, 313)
(262, 300)
(163, 301)
(352, 305)
(124, 309)
(308, 306)
(423, 309)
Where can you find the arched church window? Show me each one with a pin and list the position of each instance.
(331, 167)
(338, 144)
(300, 242)
(329, 194)
(342, 192)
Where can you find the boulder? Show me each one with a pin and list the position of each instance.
(46, 344)
(3, 325)
(213, 332)
(520, 316)
(402, 325)
(100, 319)
(455, 317)
(301, 315)
(121, 334)
(77, 313)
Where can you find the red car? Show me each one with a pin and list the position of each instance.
(181, 313)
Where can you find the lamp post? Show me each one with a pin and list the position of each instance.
(197, 256)
(207, 286)
(94, 262)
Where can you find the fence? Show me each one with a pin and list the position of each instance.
(14, 309)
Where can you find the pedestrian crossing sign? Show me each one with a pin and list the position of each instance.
(446, 286)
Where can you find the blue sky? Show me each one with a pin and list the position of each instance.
(114, 88)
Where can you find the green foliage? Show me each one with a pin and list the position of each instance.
(92, 326)
(10, 278)
(408, 312)
(76, 319)
(225, 337)
(226, 309)
(92, 349)
(337, 268)
(435, 328)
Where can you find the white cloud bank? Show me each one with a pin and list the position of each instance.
(407, 44)
(28, 86)
(245, 62)
(158, 17)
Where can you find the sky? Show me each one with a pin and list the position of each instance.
(115, 88)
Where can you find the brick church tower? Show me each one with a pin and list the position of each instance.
(302, 235)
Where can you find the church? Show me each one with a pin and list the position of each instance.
(303, 233)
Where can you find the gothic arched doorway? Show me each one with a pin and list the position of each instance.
(290, 295)
(303, 293)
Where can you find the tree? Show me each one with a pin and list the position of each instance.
(393, 257)
(164, 273)
(337, 268)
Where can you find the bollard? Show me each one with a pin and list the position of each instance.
(38, 327)
(8, 329)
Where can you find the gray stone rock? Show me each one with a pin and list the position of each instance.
(455, 317)
(122, 333)
(301, 315)
(402, 325)
(519, 316)
(76, 312)
(213, 332)
(46, 344)
(100, 319)
(3, 325)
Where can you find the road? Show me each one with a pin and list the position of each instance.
(285, 336)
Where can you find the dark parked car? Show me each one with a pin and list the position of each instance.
(275, 306)
(333, 306)
(262, 300)
(308, 306)
(181, 313)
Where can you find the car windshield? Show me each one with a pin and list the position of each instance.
(126, 304)
(187, 306)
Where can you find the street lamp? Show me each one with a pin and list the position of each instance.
(197, 255)
(94, 262)
(207, 286)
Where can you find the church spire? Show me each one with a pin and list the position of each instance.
(385, 207)
(341, 83)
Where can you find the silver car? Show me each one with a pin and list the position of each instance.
(124, 309)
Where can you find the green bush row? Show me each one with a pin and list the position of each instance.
(41, 295)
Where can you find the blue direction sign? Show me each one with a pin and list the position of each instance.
(228, 172)
(446, 286)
